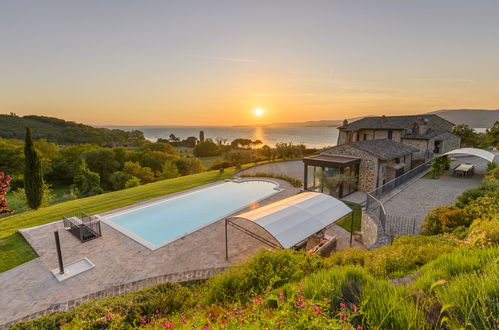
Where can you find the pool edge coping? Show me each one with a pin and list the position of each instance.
(103, 217)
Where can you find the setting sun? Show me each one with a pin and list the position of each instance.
(258, 112)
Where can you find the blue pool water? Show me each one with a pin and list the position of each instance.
(157, 224)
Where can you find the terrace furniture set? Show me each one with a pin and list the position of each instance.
(464, 170)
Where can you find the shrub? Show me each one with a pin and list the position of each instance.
(483, 233)
(221, 164)
(293, 181)
(445, 219)
(402, 257)
(132, 182)
(268, 269)
(130, 309)
(486, 208)
(491, 166)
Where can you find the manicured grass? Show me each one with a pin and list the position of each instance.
(16, 251)
(206, 161)
(346, 222)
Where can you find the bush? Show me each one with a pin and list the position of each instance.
(483, 233)
(267, 270)
(406, 254)
(132, 182)
(486, 208)
(131, 309)
(293, 181)
(445, 219)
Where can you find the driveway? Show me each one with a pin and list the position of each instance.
(420, 196)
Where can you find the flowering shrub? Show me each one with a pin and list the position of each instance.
(267, 269)
(483, 233)
(4, 189)
(445, 219)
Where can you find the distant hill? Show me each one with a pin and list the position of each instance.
(315, 123)
(471, 117)
(65, 132)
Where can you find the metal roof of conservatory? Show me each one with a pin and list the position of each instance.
(293, 219)
(487, 155)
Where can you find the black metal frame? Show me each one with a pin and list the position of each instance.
(83, 226)
(230, 221)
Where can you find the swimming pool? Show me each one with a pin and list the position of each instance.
(157, 224)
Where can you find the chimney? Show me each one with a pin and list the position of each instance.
(422, 125)
(345, 122)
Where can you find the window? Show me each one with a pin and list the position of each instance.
(390, 134)
(397, 161)
(365, 136)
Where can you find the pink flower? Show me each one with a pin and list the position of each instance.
(342, 305)
(345, 319)
(318, 312)
(121, 313)
(207, 327)
(359, 327)
(108, 316)
(300, 284)
(143, 321)
(355, 308)
(281, 293)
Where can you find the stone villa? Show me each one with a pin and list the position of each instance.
(378, 149)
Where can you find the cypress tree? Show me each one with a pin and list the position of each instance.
(33, 176)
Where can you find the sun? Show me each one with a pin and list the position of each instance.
(258, 112)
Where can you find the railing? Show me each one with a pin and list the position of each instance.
(85, 227)
(388, 187)
(376, 209)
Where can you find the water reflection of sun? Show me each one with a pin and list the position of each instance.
(259, 134)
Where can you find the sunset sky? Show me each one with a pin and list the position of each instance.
(213, 62)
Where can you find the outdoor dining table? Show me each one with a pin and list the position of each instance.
(464, 169)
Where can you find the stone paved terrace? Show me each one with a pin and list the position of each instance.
(118, 260)
(420, 196)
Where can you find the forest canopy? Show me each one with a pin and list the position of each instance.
(66, 132)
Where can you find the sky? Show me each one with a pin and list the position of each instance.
(213, 62)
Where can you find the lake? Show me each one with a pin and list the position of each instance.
(312, 137)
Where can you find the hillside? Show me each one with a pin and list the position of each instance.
(471, 117)
(65, 132)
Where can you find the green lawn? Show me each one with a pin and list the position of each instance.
(206, 161)
(15, 250)
(346, 223)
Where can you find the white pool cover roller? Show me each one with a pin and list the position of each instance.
(293, 219)
(487, 155)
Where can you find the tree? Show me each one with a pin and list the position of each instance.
(169, 171)
(144, 174)
(33, 176)
(201, 136)
(492, 135)
(118, 179)
(467, 134)
(173, 138)
(103, 162)
(4, 189)
(87, 183)
(206, 149)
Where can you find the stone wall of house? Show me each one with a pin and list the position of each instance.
(449, 142)
(419, 144)
(369, 230)
(368, 165)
